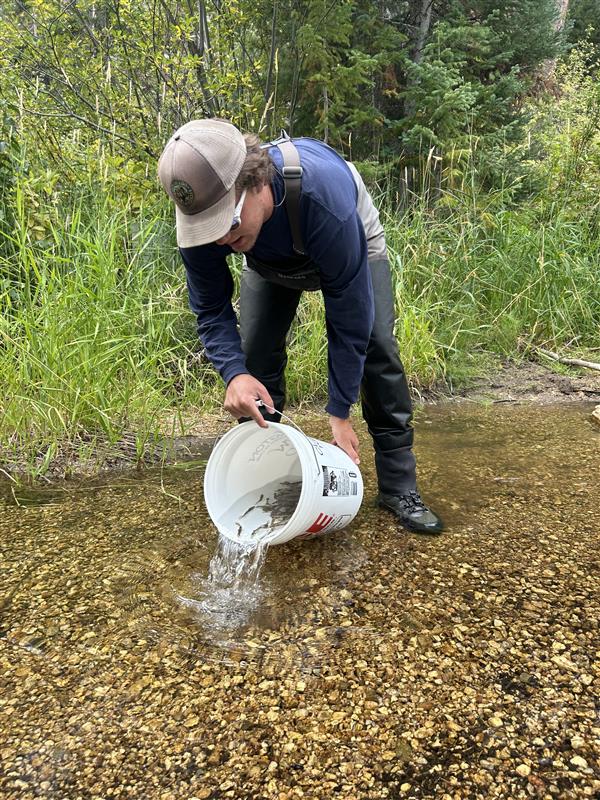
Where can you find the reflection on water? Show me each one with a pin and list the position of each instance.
(119, 605)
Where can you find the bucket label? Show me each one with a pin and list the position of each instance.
(321, 522)
(326, 522)
(339, 482)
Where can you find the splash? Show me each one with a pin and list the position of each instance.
(225, 598)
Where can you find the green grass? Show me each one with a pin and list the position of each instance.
(94, 335)
(496, 283)
(96, 339)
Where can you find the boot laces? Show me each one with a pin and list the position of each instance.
(412, 502)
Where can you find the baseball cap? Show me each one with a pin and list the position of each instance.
(198, 169)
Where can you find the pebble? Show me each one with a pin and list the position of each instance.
(577, 742)
(578, 761)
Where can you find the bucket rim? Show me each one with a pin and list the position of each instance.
(298, 440)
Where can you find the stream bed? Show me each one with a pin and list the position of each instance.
(370, 663)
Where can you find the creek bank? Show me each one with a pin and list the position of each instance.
(514, 382)
(528, 382)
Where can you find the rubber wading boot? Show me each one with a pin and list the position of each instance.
(411, 512)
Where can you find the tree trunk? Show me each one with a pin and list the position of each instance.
(545, 77)
(325, 115)
(421, 26)
(423, 23)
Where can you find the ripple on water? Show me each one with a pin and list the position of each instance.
(242, 601)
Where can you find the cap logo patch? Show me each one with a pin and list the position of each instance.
(183, 193)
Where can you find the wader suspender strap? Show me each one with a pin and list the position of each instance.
(292, 175)
(292, 178)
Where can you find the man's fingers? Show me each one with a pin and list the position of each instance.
(243, 393)
(350, 448)
(266, 400)
(254, 412)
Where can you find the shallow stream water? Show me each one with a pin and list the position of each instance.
(136, 662)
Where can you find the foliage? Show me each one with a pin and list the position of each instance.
(567, 138)
(124, 75)
(490, 197)
(472, 72)
(9, 166)
(583, 22)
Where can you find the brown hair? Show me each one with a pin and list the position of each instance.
(258, 168)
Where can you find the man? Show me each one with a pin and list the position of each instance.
(304, 220)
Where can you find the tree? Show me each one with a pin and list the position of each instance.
(547, 70)
(583, 22)
(369, 76)
(124, 73)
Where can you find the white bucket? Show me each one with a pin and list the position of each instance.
(275, 484)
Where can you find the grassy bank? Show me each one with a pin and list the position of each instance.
(481, 283)
(97, 340)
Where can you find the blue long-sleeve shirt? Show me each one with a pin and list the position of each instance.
(334, 240)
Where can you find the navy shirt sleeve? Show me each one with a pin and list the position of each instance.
(210, 289)
(339, 249)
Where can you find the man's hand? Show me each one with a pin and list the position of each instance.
(240, 398)
(344, 437)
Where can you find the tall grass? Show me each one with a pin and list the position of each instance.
(492, 283)
(95, 339)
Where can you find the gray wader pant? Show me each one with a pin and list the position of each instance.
(268, 303)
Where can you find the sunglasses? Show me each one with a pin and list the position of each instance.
(237, 212)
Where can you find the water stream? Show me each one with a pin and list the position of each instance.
(226, 598)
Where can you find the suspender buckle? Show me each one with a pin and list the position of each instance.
(292, 172)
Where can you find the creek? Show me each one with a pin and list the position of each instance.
(140, 659)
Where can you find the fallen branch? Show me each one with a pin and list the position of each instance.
(575, 362)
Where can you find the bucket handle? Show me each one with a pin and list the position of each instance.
(260, 403)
